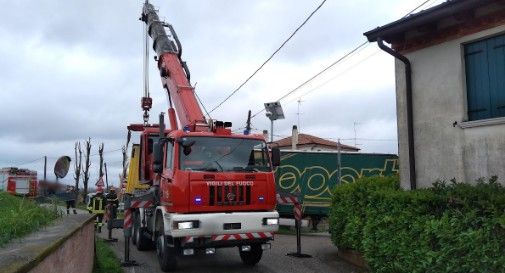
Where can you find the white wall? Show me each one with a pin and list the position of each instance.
(444, 151)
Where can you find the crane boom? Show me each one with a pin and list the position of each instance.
(189, 188)
(174, 72)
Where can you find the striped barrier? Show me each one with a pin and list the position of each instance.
(128, 221)
(298, 213)
(293, 200)
(127, 227)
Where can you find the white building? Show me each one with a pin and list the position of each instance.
(451, 121)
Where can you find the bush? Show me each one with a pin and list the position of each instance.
(452, 227)
(348, 212)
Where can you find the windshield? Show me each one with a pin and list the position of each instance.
(223, 154)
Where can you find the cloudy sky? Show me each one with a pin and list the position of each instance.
(73, 69)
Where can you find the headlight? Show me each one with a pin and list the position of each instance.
(186, 224)
(270, 221)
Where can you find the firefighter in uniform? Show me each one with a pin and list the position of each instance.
(98, 207)
(112, 202)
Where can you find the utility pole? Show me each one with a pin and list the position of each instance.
(273, 112)
(106, 177)
(45, 167)
(248, 124)
(272, 130)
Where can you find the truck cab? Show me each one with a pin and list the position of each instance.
(212, 190)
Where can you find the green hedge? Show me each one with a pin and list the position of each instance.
(451, 227)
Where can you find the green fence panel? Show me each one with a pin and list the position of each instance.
(312, 175)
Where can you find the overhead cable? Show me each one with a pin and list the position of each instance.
(317, 74)
(334, 63)
(269, 58)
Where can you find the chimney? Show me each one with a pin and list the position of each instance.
(265, 134)
(294, 137)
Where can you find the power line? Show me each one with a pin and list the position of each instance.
(29, 162)
(334, 63)
(269, 58)
(412, 11)
(106, 152)
(336, 76)
(317, 74)
(200, 101)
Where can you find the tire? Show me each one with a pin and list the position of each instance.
(135, 226)
(134, 232)
(167, 256)
(252, 257)
(141, 241)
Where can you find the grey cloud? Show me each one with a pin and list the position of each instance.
(72, 69)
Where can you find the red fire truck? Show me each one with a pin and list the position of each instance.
(18, 181)
(207, 187)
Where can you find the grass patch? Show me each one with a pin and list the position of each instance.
(20, 216)
(105, 259)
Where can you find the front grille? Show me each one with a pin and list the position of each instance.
(229, 195)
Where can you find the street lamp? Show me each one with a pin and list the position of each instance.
(273, 112)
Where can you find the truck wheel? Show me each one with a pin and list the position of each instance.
(134, 231)
(251, 257)
(166, 255)
(142, 242)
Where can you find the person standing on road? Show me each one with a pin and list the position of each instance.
(112, 203)
(71, 197)
(98, 208)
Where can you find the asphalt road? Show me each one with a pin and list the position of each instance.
(227, 260)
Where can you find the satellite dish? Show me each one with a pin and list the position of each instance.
(61, 166)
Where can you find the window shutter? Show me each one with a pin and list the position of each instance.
(477, 81)
(496, 49)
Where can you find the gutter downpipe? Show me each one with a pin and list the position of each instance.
(410, 119)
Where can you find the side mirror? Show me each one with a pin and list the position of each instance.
(276, 157)
(158, 157)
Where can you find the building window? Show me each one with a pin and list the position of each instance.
(485, 78)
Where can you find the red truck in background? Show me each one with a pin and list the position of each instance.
(203, 187)
(18, 181)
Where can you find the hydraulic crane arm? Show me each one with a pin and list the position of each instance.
(174, 72)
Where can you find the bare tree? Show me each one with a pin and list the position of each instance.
(85, 172)
(77, 164)
(100, 172)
